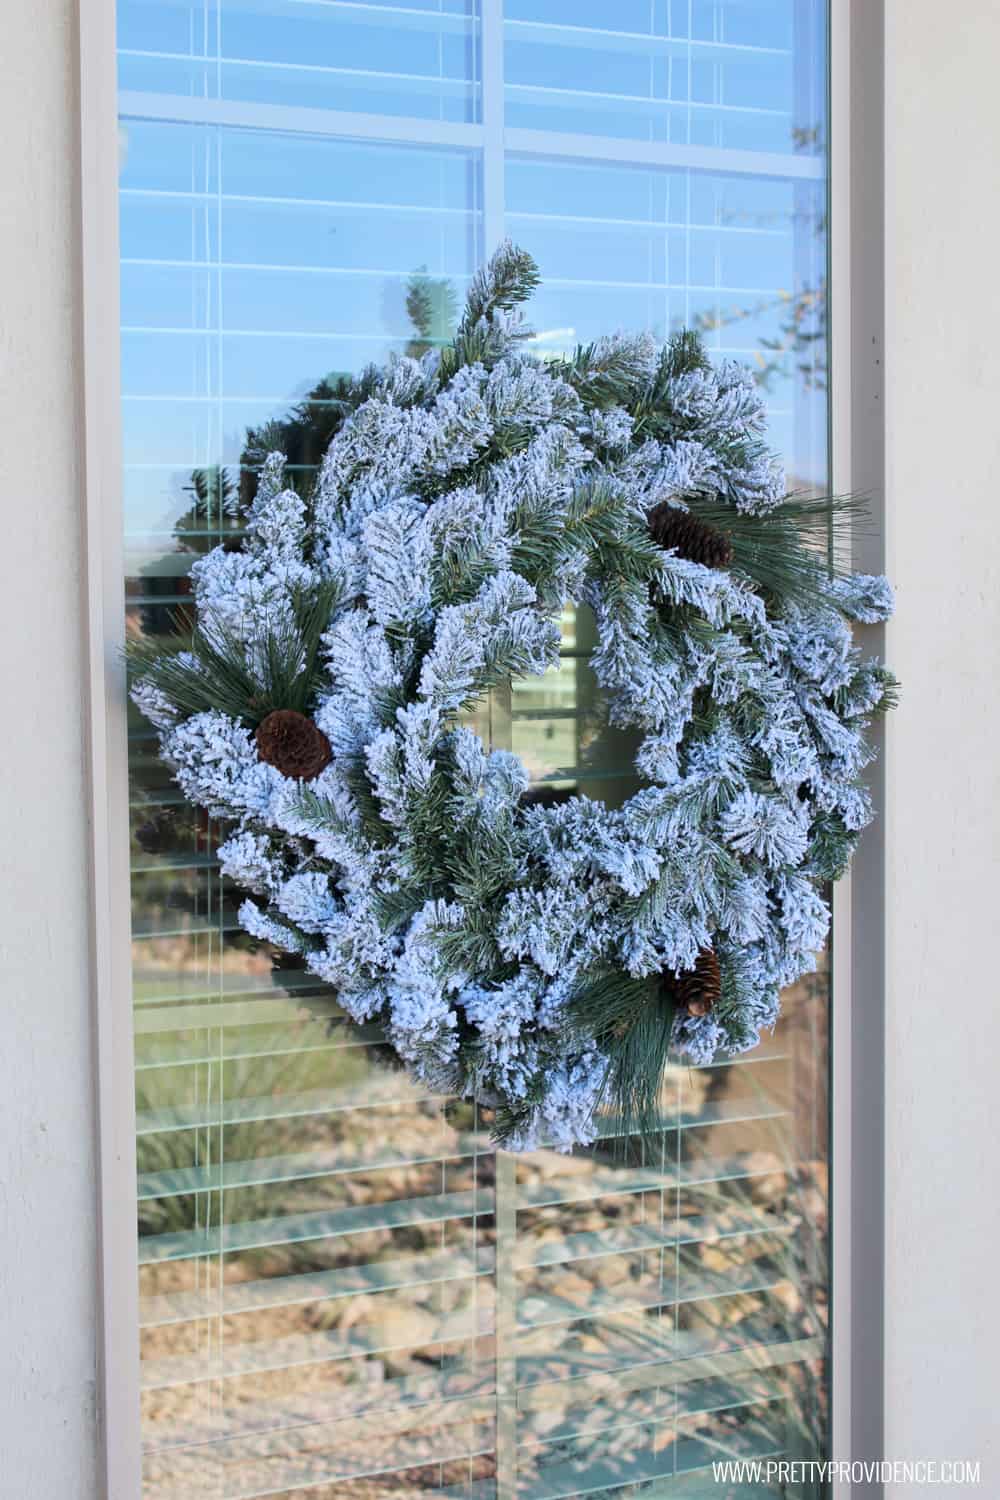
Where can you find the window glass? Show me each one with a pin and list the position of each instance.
(692, 72)
(345, 1292)
(365, 56)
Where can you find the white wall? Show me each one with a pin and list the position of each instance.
(943, 783)
(47, 1160)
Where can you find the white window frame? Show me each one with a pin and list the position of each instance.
(103, 541)
(857, 464)
(857, 451)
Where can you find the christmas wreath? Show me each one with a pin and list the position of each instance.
(544, 959)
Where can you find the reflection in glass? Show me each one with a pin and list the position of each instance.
(717, 74)
(345, 1293)
(365, 56)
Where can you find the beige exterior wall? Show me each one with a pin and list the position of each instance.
(942, 818)
(48, 1195)
(942, 112)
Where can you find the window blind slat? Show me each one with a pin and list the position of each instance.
(267, 1171)
(688, 1371)
(292, 1228)
(538, 1310)
(230, 1299)
(614, 1240)
(254, 1358)
(232, 1111)
(226, 1016)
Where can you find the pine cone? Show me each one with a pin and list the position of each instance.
(671, 527)
(294, 744)
(698, 990)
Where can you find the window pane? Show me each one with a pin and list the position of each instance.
(344, 1291)
(724, 73)
(674, 1313)
(740, 257)
(367, 56)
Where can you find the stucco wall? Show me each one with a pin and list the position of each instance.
(942, 814)
(47, 1159)
(943, 764)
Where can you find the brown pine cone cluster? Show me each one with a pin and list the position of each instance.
(673, 528)
(697, 991)
(294, 744)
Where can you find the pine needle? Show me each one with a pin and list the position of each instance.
(509, 278)
(244, 679)
(790, 551)
(631, 1020)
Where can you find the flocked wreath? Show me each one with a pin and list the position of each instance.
(541, 958)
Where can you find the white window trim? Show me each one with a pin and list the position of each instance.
(118, 1339)
(857, 406)
(857, 462)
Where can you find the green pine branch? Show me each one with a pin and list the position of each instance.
(509, 278)
(246, 680)
(631, 1020)
(793, 549)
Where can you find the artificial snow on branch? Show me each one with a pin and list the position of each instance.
(544, 959)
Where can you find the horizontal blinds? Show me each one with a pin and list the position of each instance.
(384, 58)
(344, 1292)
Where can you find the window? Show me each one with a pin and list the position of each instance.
(344, 1291)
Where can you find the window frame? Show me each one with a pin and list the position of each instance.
(118, 1375)
(857, 462)
(858, 452)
